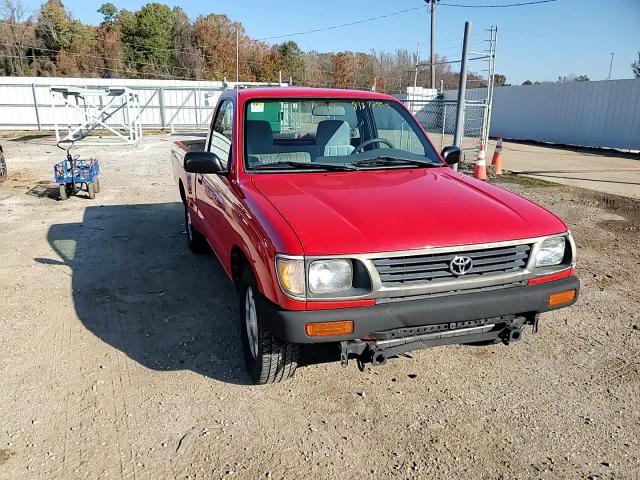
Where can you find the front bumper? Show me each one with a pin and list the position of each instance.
(526, 300)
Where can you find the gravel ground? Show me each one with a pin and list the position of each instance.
(119, 356)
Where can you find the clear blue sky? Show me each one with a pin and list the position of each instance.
(539, 42)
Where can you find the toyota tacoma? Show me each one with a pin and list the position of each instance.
(338, 221)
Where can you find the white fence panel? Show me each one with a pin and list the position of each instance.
(26, 103)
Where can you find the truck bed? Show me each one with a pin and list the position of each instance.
(194, 145)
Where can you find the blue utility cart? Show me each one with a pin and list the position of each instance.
(74, 175)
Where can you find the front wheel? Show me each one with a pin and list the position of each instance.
(91, 190)
(268, 359)
(62, 192)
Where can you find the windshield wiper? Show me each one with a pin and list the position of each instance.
(386, 160)
(338, 167)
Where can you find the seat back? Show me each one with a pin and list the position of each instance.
(333, 138)
(259, 136)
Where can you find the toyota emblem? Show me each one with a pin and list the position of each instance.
(460, 265)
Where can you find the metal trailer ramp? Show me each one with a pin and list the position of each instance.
(109, 115)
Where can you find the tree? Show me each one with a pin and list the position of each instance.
(53, 29)
(291, 62)
(499, 80)
(572, 77)
(109, 12)
(635, 67)
(147, 36)
(527, 82)
(15, 33)
(188, 60)
(53, 36)
(215, 35)
(343, 70)
(110, 48)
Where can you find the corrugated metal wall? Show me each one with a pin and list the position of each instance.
(594, 114)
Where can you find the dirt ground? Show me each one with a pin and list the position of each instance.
(119, 356)
(606, 171)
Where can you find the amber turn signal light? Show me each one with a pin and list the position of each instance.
(326, 329)
(560, 298)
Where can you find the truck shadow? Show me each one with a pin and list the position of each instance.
(138, 288)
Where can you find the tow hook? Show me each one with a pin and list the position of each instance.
(364, 352)
(510, 335)
(378, 358)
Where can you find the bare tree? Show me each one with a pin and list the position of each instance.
(635, 67)
(16, 30)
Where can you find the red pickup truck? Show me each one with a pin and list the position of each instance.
(338, 221)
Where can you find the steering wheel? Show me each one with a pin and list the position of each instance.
(359, 148)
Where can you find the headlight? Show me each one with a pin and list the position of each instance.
(291, 275)
(327, 276)
(551, 252)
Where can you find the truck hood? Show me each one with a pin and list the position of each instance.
(403, 209)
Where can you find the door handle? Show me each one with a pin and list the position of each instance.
(199, 178)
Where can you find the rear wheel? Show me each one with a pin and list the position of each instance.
(96, 182)
(195, 240)
(268, 359)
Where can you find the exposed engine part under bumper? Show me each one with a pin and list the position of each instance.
(396, 342)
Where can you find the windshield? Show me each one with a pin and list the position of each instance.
(320, 134)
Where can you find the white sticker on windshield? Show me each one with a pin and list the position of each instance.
(257, 107)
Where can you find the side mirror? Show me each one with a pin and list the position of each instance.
(202, 162)
(451, 155)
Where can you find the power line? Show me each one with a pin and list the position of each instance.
(522, 4)
(343, 25)
(400, 12)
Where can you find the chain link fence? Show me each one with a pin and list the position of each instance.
(438, 117)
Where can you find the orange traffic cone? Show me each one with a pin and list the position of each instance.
(496, 161)
(480, 168)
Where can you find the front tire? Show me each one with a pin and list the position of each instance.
(91, 190)
(268, 359)
(62, 192)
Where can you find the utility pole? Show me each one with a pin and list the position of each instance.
(611, 65)
(462, 89)
(433, 41)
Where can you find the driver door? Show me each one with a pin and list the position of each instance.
(212, 189)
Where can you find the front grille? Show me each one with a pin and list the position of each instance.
(434, 268)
